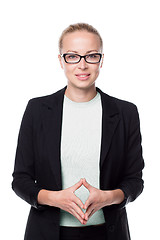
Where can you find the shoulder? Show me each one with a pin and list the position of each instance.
(47, 100)
(125, 108)
(112, 101)
(128, 111)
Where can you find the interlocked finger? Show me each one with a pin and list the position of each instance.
(78, 201)
(77, 212)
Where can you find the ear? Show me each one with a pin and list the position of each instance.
(60, 60)
(102, 60)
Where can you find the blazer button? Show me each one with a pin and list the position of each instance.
(111, 228)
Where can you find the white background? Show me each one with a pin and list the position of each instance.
(29, 67)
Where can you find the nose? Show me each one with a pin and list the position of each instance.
(82, 64)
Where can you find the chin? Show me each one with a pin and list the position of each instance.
(82, 84)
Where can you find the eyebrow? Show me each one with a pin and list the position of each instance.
(86, 52)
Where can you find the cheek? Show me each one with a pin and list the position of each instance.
(96, 70)
(69, 72)
(66, 70)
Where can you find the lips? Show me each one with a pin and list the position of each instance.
(83, 76)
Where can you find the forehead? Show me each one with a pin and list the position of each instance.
(81, 41)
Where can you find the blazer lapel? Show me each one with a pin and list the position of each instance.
(52, 122)
(110, 120)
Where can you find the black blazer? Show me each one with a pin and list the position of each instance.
(38, 166)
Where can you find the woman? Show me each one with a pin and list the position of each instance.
(79, 156)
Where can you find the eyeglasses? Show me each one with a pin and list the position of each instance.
(76, 58)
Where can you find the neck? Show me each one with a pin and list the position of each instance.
(79, 94)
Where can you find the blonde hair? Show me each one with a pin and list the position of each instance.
(79, 27)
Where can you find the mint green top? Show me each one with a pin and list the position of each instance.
(80, 152)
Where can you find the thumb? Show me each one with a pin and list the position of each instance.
(77, 185)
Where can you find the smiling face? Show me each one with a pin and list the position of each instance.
(81, 75)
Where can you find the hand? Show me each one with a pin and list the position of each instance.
(97, 199)
(68, 201)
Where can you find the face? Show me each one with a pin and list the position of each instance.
(81, 75)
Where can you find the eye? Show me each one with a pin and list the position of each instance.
(93, 55)
(71, 56)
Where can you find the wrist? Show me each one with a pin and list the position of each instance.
(46, 197)
(117, 196)
(114, 197)
(42, 197)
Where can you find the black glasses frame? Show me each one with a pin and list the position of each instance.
(85, 56)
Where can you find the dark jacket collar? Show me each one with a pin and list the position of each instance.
(108, 103)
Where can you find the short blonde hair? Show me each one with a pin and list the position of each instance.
(79, 27)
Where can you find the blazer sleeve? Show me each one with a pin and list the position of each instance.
(132, 183)
(24, 181)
